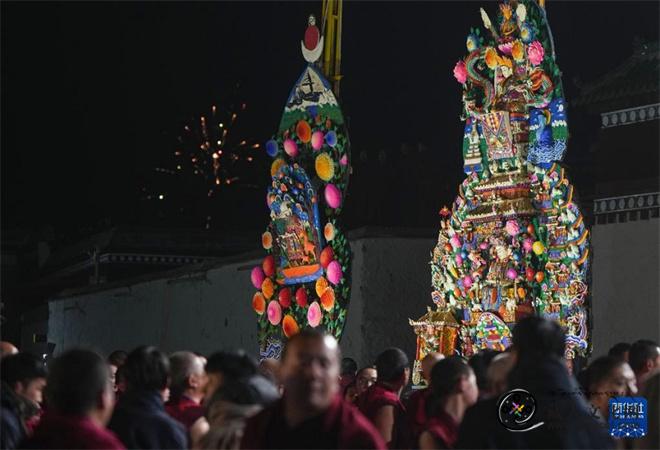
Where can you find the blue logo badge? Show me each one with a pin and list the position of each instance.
(628, 417)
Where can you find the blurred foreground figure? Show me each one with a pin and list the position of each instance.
(140, 419)
(312, 413)
(23, 380)
(416, 404)
(644, 358)
(80, 402)
(453, 390)
(7, 348)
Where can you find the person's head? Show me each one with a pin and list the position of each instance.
(223, 367)
(427, 364)
(350, 392)
(393, 367)
(310, 370)
(497, 373)
(366, 377)
(537, 338)
(79, 385)
(348, 367)
(187, 376)
(452, 379)
(643, 357)
(620, 351)
(7, 348)
(251, 390)
(479, 363)
(608, 377)
(25, 374)
(147, 369)
(116, 359)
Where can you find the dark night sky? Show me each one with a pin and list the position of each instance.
(93, 94)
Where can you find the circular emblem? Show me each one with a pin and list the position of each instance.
(515, 410)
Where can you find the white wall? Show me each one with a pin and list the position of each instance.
(211, 309)
(625, 283)
(208, 310)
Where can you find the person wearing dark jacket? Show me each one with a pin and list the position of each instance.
(80, 401)
(140, 419)
(23, 379)
(563, 419)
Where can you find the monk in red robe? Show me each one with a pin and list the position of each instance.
(186, 387)
(416, 405)
(381, 403)
(311, 413)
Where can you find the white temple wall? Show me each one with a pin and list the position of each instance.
(210, 309)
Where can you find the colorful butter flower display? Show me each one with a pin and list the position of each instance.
(305, 276)
(514, 242)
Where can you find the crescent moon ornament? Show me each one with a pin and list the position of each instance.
(313, 55)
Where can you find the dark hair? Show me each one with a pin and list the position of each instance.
(445, 375)
(117, 358)
(21, 368)
(536, 337)
(479, 363)
(597, 371)
(640, 352)
(232, 364)
(147, 368)
(77, 378)
(619, 349)
(391, 364)
(307, 334)
(251, 390)
(357, 374)
(348, 366)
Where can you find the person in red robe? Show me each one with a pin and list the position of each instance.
(187, 385)
(416, 405)
(381, 403)
(453, 390)
(311, 414)
(81, 399)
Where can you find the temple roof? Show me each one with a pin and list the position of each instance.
(633, 83)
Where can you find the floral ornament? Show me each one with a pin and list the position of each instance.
(267, 240)
(314, 315)
(268, 288)
(325, 167)
(284, 297)
(518, 51)
(526, 33)
(303, 131)
(535, 53)
(271, 148)
(274, 313)
(259, 303)
(321, 286)
(290, 147)
(268, 266)
(460, 72)
(334, 272)
(289, 326)
(331, 138)
(257, 277)
(491, 58)
(472, 42)
(317, 140)
(329, 231)
(328, 299)
(327, 255)
(276, 166)
(301, 297)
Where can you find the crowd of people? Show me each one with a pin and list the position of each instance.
(313, 398)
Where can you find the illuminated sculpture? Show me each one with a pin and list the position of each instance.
(304, 279)
(514, 242)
